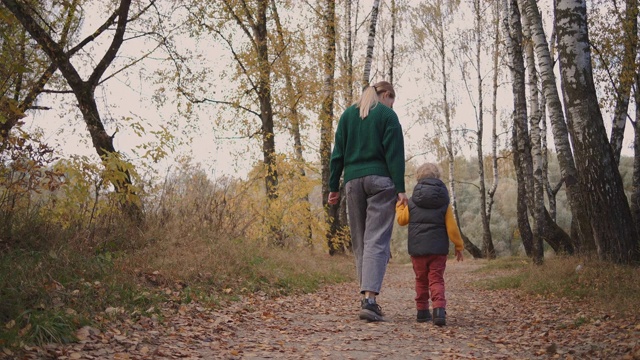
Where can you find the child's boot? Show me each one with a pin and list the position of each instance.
(439, 316)
(423, 316)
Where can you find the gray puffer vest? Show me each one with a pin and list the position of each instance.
(427, 209)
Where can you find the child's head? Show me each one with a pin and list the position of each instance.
(428, 170)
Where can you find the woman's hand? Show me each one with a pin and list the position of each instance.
(333, 198)
(459, 256)
(402, 199)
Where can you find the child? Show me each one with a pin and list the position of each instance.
(431, 226)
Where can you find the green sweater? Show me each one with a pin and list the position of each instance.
(370, 146)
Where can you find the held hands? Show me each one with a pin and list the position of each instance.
(402, 199)
(459, 256)
(333, 198)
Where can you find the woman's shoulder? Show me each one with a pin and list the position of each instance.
(384, 112)
(353, 109)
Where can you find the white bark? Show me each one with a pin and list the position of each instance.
(370, 42)
(613, 229)
(536, 185)
(556, 118)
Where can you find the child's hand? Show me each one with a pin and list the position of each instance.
(459, 256)
(402, 199)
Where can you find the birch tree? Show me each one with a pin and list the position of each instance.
(430, 21)
(613, 228)
(558, 125)
(635, 188)
(626, 75)
(366, 75)
(326, 120)
(478, 33)
(494, 107)
(512, 28)
(534, 170)
(392, 51)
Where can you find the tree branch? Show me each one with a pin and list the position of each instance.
(107, 59)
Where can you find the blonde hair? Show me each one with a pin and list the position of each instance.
(428, 170)
(369, 98)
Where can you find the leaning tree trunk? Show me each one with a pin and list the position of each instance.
(370, 42)
(524, 227)
(536, 193)
(600, 181)
(84, 91)
(512, 27)
(14, 110)
(559, 127)
(626, 76)
(326, 123)
(551, 191)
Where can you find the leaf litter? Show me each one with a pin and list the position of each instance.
(496, 324)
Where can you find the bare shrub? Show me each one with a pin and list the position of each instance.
(25, 179)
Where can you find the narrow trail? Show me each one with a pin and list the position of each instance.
(481, 324)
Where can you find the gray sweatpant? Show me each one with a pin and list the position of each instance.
(371, 206)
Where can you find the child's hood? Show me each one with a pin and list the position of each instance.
(430, 193)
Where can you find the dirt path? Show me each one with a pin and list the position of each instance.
(481, 324)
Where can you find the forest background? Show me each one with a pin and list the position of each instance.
(163, 142)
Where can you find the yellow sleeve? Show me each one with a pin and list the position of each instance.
(402, 211)
(452, 229)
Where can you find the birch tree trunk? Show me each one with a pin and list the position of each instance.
(635, 188)
(494, 109)
(551, 191)
(488, 250)
(524, 227)
(613, 228)
(626, 76)
(348, 54)
(370, 42)
(326, 122)
(440, 42)
(535, 183)
(559, 127)
(512, 28)
(392, 52)
(348, 97)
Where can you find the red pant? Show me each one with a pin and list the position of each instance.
(429, 270)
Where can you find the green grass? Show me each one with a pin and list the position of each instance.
(605, 285)
(46, 296)
(504, 282)
(506, 263)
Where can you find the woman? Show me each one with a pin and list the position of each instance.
(369, 148)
